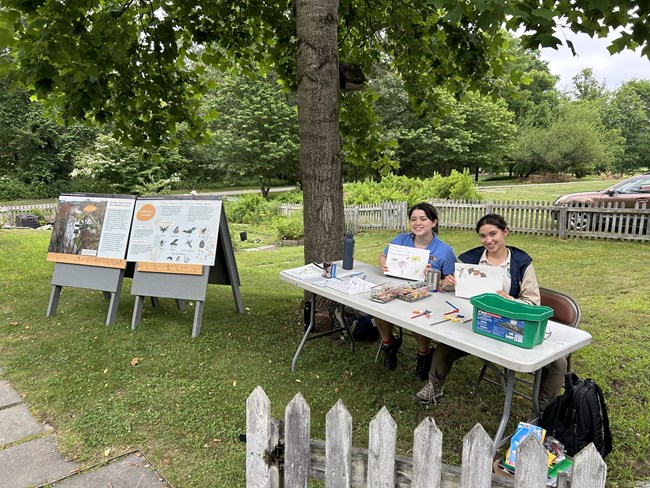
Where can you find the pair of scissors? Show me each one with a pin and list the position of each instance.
(426, 313)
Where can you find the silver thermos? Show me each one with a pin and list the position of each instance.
(432, 277)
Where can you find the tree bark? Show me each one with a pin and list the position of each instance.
(318, 121)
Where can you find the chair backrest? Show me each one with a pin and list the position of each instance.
(566, 309)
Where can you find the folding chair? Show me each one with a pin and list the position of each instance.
(565, 311)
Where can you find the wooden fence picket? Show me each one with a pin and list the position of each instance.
(381, 450)
(258, 438)
(297, 425)
(427, 455)
(589, 469)
(476, 465)
(531, 464)
(338, 447)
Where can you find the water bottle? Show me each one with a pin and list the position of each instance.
(348, 251)
(432, 277)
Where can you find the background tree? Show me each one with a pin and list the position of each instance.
(587, 87)
(629, 113)
(36, 152)
(108, 166)
(256, 134)
(577, 143)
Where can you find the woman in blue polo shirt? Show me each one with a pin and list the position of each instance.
(423, 221)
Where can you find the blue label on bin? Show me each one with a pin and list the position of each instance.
(499, 326)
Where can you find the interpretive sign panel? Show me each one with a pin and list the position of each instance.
(175, 230)
(92, 229)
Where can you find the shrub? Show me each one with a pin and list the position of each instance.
(290, 227)
(251, 208)
(413, 190)
(293, 196)
(12, 189)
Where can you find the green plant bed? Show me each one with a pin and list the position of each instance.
(184, 402)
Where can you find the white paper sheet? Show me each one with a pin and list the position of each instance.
(351, 286)
(406, 262)
(474, 279)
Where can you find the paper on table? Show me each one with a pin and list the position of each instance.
(353, 286)
(311, 271)
(474, 279)
(306, 272)
(406, 262)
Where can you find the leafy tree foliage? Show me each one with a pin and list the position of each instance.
(532, 101)
(472, 132)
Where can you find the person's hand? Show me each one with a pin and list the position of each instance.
(383, 267)
(449, 281)
(503, 294)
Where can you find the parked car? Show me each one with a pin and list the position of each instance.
(630, 192)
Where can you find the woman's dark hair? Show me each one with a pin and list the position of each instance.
(492, 219)
(428, 209)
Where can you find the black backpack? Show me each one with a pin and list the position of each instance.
(579, 416)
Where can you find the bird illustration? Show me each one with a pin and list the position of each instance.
(174, 243)
(189, 242)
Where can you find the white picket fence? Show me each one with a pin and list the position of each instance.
(8, 214)
(281, 454)
(539, 218)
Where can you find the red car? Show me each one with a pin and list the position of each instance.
(632, 191)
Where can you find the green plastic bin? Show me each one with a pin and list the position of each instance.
(508, 321)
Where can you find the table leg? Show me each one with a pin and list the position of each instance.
(312, 324)
(507, 404)
(536, 385)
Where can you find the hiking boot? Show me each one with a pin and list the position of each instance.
(428, 394)
(390, 353)
(422, 366)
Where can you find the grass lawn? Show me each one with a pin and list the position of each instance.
(184, 403)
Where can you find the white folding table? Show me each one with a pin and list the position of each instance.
(561, 340)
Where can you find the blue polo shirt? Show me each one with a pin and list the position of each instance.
(441, 255)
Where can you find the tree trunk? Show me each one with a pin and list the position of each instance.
(318, 123)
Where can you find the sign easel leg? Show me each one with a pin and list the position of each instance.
(198, 315)
(137, 311)
(54, 300)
